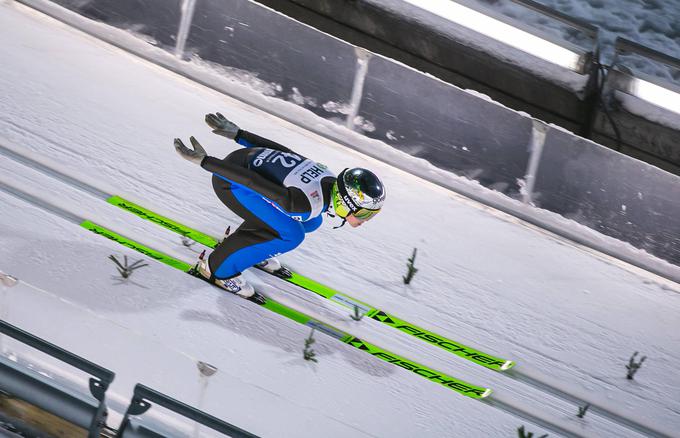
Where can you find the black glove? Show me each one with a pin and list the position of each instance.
(221, 126)
(196, 155)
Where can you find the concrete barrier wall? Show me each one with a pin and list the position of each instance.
(158, 19)
(641, 134)
(453, 129)
(289, 60)
(303, 65)
(610, 192)
(437, 46)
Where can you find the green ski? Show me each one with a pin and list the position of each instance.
(471, 354)
(457, 385)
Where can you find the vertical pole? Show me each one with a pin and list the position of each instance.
(592, 91)
(363, 58)
(6, 281)
(206, 370)
(187, 9)
(538, 133)
(4, 305)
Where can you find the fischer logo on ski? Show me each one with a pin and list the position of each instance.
(156, 219)
(434, 339)
(448, 345)
(171, 225)
(422, 371)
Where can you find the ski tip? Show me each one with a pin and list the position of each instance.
(486, 393)
(507, 365)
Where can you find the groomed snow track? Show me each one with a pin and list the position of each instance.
(497, 401)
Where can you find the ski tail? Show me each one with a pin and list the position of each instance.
(149, 252)
(163, 221)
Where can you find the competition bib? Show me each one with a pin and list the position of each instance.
(307, 177)
(292, 170)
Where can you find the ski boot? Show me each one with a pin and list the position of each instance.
(236, 285)
(273, 266)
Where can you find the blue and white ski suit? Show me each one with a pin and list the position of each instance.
(279, 194)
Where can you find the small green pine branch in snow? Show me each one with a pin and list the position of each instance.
(411, 267)
(523, 434)
(357, 316)
(633, 366)
(124, 269)
(582, 410)
(308, 353)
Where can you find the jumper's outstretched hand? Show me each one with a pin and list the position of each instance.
(221, 125)
(194, 155)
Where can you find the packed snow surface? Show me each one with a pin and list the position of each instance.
(570, 318)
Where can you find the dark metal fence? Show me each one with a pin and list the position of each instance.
(48, 395)
(142, 401)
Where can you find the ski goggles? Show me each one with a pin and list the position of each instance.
(363, 214)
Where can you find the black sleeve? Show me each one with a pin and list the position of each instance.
(290, 199)
(249, 140)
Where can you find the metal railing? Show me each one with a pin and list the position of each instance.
(623, 45)
(144, 396)
(589, 29)
(98, 384)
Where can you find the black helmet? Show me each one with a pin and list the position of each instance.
(358, 192)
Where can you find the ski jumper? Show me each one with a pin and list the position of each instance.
(279, 194)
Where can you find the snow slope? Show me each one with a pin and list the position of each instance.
(570, 318)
